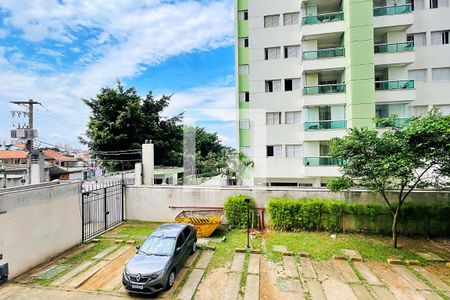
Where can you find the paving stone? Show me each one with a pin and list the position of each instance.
(413, 262)
(255, 251)
(430, 256)
(339, 257)
(131, 242)
(361, 292)
(210, 247)
(382, 293)
(410, 277)
(241, 250)
(52, 272)
(394, 261)
(335, 289)
(367, 273)
(190, 260)
(254, 263)
(433, 279)
(346, 271)
(118, 253)
(252, 287)
(104, 252)
(307, 268)
(114, 283)
(204, 259)
(72, 273)
(429, 295)
(81, 278)
(118, 241)
(279, 248)
(232, 287)
(237, 265)
(303, 254)
(352, 254)
(94, 240)
(288, 253)
(189, 288)
(290, 266)
(290, 286)
(202, 242)
(315, 289)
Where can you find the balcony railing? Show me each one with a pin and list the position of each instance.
(396, 47)
(323, 53)
(323, 18)
(394, 85)
(324, 89)
(399, 122)
(322, 161)
(322, 125)
(392, 10)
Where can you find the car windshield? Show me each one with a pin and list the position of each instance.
(158, 245)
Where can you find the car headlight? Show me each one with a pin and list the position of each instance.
(125, 272)
(156, 275)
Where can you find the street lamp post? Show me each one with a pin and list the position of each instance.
(247, 200)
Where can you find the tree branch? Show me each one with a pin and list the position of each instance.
(416, 183)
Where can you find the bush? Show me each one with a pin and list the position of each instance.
(295, 215)
(236, 210)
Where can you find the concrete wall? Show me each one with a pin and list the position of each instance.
(163, 203)
(38, 223)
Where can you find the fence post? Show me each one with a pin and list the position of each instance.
(106, 211)
(82, 217)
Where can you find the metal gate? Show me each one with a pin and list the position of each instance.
(102, 207)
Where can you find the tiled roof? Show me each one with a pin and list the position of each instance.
(57, 156)
(12, 154)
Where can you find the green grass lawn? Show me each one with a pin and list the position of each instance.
(321, 246)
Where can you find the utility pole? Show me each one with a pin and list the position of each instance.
(27, 133)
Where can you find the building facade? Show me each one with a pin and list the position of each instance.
(308, 70)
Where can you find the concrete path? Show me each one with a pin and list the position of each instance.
(290, 266)
(232, 288)
(253, 277)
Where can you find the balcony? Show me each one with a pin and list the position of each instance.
(322, 161)
(324, 125)
(392, 10)
(396, 47)
(394, 85)
(324, 89)
(400, 122)
(324, 53)
(323, 18)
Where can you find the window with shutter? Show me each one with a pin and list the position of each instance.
(293, 117)
(271, 21)
(291, 51)
(440, 74)
(277, 151)
(291, 18)
(419, 39)
(417, 75)
(436, 38)
(293, 151)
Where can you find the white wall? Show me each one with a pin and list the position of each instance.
(39, 223)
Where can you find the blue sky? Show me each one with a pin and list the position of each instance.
(60, 51)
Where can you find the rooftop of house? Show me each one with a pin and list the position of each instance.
(54, 155)
(13, 154)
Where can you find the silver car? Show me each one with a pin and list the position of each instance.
(154, 266)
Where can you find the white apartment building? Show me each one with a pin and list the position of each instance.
(308, 70)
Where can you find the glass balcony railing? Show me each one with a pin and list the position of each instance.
(323, 18)
(392, 10)
(400, 122)
(394, 85)
(322, 125)
(323, 53)
(324, 89)
(322, 161)
(396, 47)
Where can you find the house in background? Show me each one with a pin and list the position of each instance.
(63, 167)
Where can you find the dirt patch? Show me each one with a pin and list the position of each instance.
(441, 270)
(213, 285)
(110, 272)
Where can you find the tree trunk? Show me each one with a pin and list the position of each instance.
(394, 227)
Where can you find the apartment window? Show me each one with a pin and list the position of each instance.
(244, 97)
(440, 74)
(324, 148)
(293, 150)
(433, 3)
(273, 118)
(243, 15)
(272, 21)
(444, 109)
(417, 75)
(274, 151)
(440, 37)
(419, 110)
(272, 53)
(382, 110)
(293, 117)
(291, 51)
(291, 18)
(438, 3)
(417, 4)
(244, 124)
(245, 151)
(243, 69)
(419, 39)
(292, 84)
(243, 42)
(273, 86)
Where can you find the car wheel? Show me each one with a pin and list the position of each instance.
(170, 280)
(194, 247)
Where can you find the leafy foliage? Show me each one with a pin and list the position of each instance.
(236, 210)
(400, 158)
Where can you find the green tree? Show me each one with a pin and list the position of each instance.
(400, 158)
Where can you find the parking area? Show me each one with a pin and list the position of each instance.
(217, 271)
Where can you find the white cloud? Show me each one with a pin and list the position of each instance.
(3, 33)
(125, 38)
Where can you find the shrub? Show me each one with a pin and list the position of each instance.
(236, 210)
